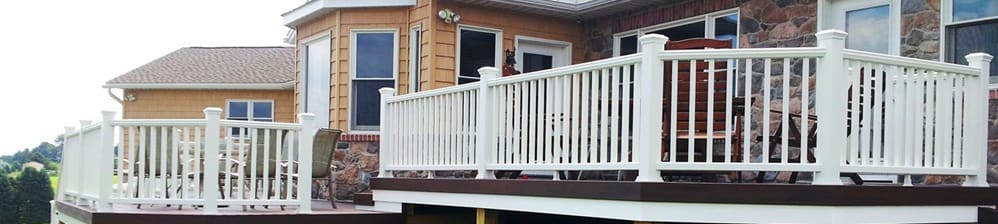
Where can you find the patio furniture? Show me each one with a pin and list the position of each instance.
(701, 79)
(152, 147)
(794, 135)
(323, 149)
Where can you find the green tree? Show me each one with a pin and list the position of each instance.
(8, 194)
(33, 196)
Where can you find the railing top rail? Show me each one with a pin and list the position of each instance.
(615, 61)
(159, 122)
(565, 70)
(433, 92)
(91, 128)
(258, 124)
(795, 52)
(909, 62)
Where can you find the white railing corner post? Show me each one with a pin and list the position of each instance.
(650, 82)
(831, 107)
(483, 129)
(308, 130)
(385, 151)
(105, 161)
(68, 151)
(82, 163)
(977, 113)
(212, 136)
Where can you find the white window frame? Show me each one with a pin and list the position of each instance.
(351, 127)
(709, 20)
(565, 51)
(415, 57)
(303, 74)
(893, 18)
(249, 111)
(457, 49)
(946, 20)
(249, 107)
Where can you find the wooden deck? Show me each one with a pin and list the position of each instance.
(670, 202)
(322, 212)
(725, 193)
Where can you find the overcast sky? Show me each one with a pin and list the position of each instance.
(56, 54)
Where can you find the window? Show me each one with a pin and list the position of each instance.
(249, 110)
(476, 48)
(719, 25)
(415, 57)
(374, 66)
(865, 28)
(971, 27)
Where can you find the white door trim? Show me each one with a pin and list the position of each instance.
(560, 50)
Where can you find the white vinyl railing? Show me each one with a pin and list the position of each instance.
(821, 109)
(199, 162)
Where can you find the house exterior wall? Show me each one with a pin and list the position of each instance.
(920, 29)
(357, 155)
(189, 104)
(512, 24)
(762, 24)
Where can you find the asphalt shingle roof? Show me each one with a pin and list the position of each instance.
(227, 65)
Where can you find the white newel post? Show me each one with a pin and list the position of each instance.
(67, 159)
(977, 114)
(385, 152)
(648, 107)
(831, 107)
(306, 136)
(483, 129)
(211, 140)
(105, 160)
(82, 163)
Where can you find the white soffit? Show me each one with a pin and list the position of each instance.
(315, 8)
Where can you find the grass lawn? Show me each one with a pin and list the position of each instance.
(55, 183)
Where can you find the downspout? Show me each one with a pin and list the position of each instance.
(116, 98)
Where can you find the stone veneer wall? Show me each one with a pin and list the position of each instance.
(920, 29)
(356, 160)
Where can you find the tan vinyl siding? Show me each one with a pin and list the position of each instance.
(340, 23)
(189, 104)
(511, 24)
(438, 43)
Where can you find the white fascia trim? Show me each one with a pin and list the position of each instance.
(686, 212)
(318, 7)
(565, 7)
(245, 86)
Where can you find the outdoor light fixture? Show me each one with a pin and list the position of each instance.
(449, 16)
(130, 98)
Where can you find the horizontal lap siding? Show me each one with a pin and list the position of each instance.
(189, 104)
(340, 23)
(511, 23)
